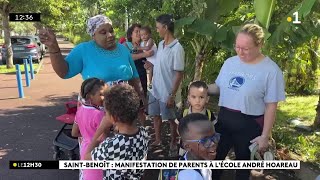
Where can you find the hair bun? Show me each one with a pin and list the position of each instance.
(171, 18)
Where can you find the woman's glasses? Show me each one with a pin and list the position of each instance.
(238, 48)
(208, 141)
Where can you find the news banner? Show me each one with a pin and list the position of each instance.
(228, 164)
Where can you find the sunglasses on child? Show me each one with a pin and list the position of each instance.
(208, 141)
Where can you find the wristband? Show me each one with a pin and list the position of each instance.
(54, 52)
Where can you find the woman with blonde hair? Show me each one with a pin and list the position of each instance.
(250, 86)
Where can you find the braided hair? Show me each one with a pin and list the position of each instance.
(90, 87)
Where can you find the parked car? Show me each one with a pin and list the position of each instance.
(22, 47)
(43, 47)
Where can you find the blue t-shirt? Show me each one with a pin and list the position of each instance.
(91, 60)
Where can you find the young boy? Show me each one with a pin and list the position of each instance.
(198, 98)
(130, 142)
(200, 141)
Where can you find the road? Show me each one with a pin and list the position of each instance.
(28, 125)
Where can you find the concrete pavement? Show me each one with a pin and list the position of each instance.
(28, 125)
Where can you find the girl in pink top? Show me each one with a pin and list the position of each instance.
(88, 118)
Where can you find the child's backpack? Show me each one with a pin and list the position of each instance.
(208, 113)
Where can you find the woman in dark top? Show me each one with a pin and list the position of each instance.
(139, 57)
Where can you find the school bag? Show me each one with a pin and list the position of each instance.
(210, 115)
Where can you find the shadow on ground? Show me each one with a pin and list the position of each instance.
(27, 133)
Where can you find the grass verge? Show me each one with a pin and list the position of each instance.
(4, 70)
(303, 143)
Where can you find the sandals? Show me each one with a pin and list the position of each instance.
(267, 156)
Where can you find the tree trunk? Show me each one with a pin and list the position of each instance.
(5, 23)
(127, 20)
(316, 123)
(199, 64)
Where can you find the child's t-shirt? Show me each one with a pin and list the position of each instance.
(88, 119)
(193, 174)
(154, 48)
(123, 147)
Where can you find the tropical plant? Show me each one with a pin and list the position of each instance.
(206, 32)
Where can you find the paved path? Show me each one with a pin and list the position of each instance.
(28, 126)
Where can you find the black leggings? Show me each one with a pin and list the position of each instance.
(144, 82)
(236, 131)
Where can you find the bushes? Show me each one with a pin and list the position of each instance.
(82, 37)
(300, 67)
(77, 38)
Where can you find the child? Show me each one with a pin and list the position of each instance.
(88, 118)
(121, 104)
(200, 141)
(148, 44)
(198, 98)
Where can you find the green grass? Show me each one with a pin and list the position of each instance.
(4, 70)
(304, 144)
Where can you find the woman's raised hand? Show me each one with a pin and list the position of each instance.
(48, 38)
